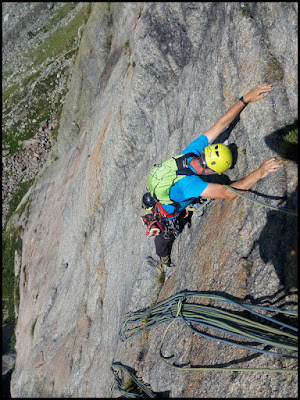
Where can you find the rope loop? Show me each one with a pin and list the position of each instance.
(279, 335)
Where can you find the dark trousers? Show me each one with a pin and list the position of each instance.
(164, 244)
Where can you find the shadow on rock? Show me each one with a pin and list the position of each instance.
(283, 141)
(6, 385)
(230, 364)
(282, 249)
(226, 133)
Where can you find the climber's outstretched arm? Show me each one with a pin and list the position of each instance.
(255, 94)
(217, 191)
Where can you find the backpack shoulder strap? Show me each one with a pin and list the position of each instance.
(182, 167)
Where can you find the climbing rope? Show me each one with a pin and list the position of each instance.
(118, 383)
(284, 210)
(175, 308)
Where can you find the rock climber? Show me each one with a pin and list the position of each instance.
(205, 159)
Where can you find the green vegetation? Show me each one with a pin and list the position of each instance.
(161, 278)
(11, 242)
(17, 197)
(127, 50)
(292, 133)
(126, 46)
(13, 343)
(274, 71)
(61, 14)
(289, 148)
(58, 116)
(8, 95)
(87, 13)
(247, 264)
(41, 110)
(30, 95)
(246, 11)
(61, 41)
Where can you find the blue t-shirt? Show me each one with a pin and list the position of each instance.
(189, 186)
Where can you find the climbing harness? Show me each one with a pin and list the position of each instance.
(175, 308)
(284, 210)
(118, 384)
(171, 228)
(159, 221)
(171, 225)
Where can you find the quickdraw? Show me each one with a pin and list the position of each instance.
(171, 228)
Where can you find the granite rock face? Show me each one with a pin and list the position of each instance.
(148, 79)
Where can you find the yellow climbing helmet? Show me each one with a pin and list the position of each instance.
(218, 157)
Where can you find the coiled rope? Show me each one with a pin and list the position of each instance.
(118, 383)
(284, 210)
(175, 308)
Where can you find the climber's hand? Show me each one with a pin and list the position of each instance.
(271, 165)
(258, 93)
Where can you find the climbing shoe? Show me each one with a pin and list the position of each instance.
(166, 261)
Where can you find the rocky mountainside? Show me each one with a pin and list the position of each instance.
(40, 41)
(148, 79)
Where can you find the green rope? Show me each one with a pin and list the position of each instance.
(284, 210)
(118, 384)
(175, 309)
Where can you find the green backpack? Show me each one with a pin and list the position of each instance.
(163, 176)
